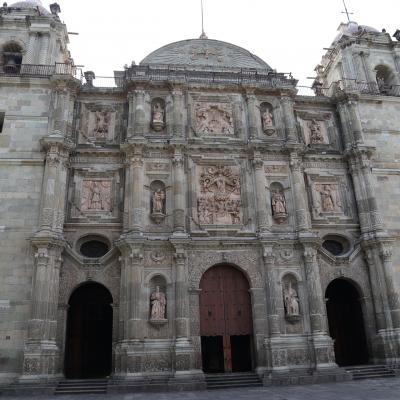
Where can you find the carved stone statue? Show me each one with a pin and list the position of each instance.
(103, 119)
(327, 198)
(316, 135)
(214, 119)
(158, 206)
(278, 204)
(219, 201)
(268, 122)
(96, 196)
(158, 113)
(158, 201)
(158, 303)
(291, 300)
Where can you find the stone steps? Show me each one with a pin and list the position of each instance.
(232, 380)
(371, 372)
(82, 386)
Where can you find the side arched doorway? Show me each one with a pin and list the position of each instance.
(88, 350)
(346, 323)
(226, 323)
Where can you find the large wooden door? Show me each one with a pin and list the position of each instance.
(226, 322)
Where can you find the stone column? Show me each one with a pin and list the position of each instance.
(322, 343)
(41, 354)
(178, 106)
(369, 74)
(299, 193)
(344, 119)
(254, 116)
(133, 208)
(31, 50)
(391, 288)
(183, 349)
(355, 121)
(131, 115)
(44, 48)
(273, 292)
(289, 118)
(139, 123)
(52, 207)
(262, 202)
(179, 192)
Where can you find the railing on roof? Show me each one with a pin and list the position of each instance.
(369, 88)
(40, 71)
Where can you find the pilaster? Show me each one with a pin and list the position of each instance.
(179, 192)
(289, 118)
(262, 214)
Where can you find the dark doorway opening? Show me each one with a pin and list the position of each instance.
(346, 323)
(88, 350)
(226, 323)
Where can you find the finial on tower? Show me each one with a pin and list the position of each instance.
(346, 11)
(203, 34)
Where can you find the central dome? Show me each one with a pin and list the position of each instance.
(205, 53)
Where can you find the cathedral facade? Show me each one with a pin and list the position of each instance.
(198, 215)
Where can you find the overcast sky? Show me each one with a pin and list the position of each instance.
(288, 34)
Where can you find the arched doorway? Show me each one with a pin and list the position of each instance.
(88, 349)
(226, 323)
(346, 323)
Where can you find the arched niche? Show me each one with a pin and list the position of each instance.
(385, 78)
(291, 299)
(267, 118)
(158, 114)
(158, 197)
(278, 202)
(12, 53)
(158, 299)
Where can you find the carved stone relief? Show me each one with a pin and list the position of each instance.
(158, 115)
(219, 201)
(267, 119)
(315, 134)
(316, 128)
(102, 124)
(290, 296)
(327, 198)
(214, 119)
(96, 195)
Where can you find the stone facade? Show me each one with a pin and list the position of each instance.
(178, 170)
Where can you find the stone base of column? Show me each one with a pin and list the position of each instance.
(386, 347)
(324, 352)
(41, 361)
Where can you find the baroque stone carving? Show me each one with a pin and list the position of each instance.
(219, 201)
(102, 124)
(328, 199)
(291, 300)
(214, 119)
(267, 119)
(278, 203)
(315, 134)
(96, 195)
(158, 206)
(158, 305)
(158, 115)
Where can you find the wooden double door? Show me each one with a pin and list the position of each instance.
(226, 323)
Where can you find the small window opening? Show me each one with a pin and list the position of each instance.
(334, 247)
(94, 249)
(2, 118)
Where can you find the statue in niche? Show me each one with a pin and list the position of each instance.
(158, 304)
(158, 206)
(267, 122)
(278, 203)
(291, 301)
(220, 200)
(96, 196)
(316, 135)
(102, 119)
(158, 113)
(327, 198)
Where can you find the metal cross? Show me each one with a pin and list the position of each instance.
(203, 34)
(346, 11)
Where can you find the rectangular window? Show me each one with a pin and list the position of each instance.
(2, 117)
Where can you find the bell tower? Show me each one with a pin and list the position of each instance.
(32, 35)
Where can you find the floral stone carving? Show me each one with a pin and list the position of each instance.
(214, 119)
(96, 195)
(220, 202)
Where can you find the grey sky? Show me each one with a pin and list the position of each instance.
(289, 34)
